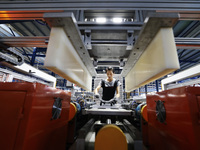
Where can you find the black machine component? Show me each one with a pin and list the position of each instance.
(111, 102)
(57, 107)
(11, 56)
(132, 105)
(160, 111)
(87, 134)
(85, 99)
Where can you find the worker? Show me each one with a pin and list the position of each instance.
(110, 86)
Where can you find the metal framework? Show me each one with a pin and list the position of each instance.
(100, 42)
(42, 41)
(102, 5)
(37, 41)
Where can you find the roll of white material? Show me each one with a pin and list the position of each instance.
(62, 59)
(159, 59)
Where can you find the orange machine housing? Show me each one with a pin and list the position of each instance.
(181, 129)
(27, 117)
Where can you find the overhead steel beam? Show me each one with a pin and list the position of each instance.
(116, 27)
(181, 43)
(26, 41)
(42, 41)
(68, 22)
(91, 23)
(111, 63)
(188, 46)
(101, 5)
(190, 16)
(7, 14)
(110, 26)
(184, 15)
(187, 43)
(152, 25)
(111, 59)
(105, 41)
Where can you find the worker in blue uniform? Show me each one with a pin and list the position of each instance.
(110, 86)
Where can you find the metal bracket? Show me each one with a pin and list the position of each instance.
(95, 62)
(121, 63)
(88, 39)
(130, 38)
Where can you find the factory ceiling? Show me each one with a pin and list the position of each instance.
(108, 29)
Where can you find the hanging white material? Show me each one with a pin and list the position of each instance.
(159, 59)
(63, 59)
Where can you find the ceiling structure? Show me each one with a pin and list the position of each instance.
(108, 43)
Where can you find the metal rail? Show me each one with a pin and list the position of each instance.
(42, 41)
(26, 41)
(101, 5)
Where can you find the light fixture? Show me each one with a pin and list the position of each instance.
(100, 20)
(117, 20)
(38, 73)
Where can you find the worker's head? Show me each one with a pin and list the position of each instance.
(109, 72)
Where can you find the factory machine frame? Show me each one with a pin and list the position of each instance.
(61, 11)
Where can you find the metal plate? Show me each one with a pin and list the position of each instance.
(57, 108)
(160, 111)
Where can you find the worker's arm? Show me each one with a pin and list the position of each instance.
(117, 92)
(96, 91)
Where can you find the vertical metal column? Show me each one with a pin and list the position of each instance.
(64, 82)
(157, 86)
(53, 74)
(134, 93)
(145, 89)
(33, 56)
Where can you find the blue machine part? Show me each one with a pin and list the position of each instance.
(82, 103)
(138, 110)
(77, 106)
(133, 105)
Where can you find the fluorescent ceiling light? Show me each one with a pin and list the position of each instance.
(117, 20)
(30, 69)
(101, 20)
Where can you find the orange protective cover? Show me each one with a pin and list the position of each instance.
(26, 117)
(181, 129)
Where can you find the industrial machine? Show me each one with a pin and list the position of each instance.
(115, 120)
(75, 45)
(173, 119)
(33, 117)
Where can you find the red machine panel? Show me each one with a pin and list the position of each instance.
(33, 117)
(174, 120)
